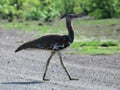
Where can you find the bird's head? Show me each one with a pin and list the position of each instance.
(70, 17)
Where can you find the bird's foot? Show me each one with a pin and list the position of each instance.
(74, 79)
(45, 79)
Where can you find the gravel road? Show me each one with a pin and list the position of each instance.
(24, 70)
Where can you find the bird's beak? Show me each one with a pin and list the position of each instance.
(76, 15)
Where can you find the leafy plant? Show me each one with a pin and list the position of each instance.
(48, 10)
(9, 9)
(104, 8)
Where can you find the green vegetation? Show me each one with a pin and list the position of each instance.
(96, 47)
(48, 10)
(104, 8)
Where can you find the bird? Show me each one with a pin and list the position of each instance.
(55, 43)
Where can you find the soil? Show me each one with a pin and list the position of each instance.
(24, 70)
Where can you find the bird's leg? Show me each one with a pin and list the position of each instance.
(59, 54)
(48, 61)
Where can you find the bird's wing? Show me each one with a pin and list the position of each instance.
(50, 42)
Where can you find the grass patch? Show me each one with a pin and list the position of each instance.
(98, 22)
(45, 28)
(96, 47)
(98, 43)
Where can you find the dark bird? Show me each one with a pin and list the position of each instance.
(55, 43)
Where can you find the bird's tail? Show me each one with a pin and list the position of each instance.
(18, 49)
(24, 46)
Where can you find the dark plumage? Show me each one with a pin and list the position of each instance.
(49, 42)
(55, 43)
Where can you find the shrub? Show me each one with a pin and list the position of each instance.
(104, 8)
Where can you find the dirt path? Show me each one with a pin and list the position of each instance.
(24, 70)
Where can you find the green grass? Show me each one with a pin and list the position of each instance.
(96, 47)
(98, 22)
(44, 29)
(82, 28)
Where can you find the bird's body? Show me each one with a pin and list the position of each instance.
(55, 43)
(49, 42)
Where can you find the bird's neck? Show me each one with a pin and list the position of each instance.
(70, 31)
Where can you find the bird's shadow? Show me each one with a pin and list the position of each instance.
(23, 83)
